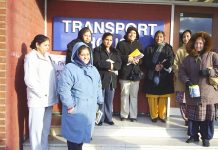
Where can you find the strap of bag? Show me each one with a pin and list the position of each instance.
(51, 61)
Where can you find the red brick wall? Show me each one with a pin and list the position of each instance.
(2, 73)
(25, 19)
(111, 11)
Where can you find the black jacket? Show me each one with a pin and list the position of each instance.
(100, 57)
(125, 48)
(73, 42)
(165, 85)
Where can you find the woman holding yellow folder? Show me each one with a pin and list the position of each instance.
(129, 84)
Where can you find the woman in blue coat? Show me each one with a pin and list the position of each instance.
(80, 91)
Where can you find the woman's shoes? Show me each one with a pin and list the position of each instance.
(192, 140)
(163, 120)
(206, 143)
(154, 120)
(133, 119)
(99, 124)
(110, 123)
(123, 119)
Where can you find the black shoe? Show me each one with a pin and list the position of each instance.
(122, 119)
(133, 120)
(154, 120)
(163, 120)
(99, 124)
(110, 123)
(206, 143)
(192, 140)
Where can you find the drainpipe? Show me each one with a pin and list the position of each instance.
(172, 24)
(45, 18)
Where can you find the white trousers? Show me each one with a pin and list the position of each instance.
(39, 127)
(129, 98)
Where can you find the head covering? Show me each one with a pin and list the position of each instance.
(75, 56)
(129, 30)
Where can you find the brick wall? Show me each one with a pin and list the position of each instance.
(25, 19)
(2, 73)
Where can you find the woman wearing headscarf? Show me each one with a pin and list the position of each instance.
(181, 53)
(80, 91)
(158, 61)
(108, 62)
(196, 68)
(129, 87)
(84, 36)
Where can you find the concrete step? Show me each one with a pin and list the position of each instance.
(174, 127)
(140, 135)
(130, 143)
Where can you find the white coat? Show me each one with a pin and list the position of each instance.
(40, 80)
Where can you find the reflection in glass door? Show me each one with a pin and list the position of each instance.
(195, 22)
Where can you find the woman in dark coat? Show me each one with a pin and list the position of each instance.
(85, 36)
(158, 61)
(107, 61)
(195, 70)
(129, 86)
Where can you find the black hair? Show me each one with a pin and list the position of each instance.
(82, 32)
(189, 31)
(159, 31)
(82, 48)
(40, 38)
(129, 30)
(106, 34)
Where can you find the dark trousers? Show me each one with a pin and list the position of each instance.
(107, 108)
(206, 129)
(74, 146)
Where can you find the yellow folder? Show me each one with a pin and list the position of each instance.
(135, 53)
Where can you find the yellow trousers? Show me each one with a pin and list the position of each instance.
(157, 105)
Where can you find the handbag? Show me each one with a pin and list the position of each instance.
(136, 74)
(213, 81)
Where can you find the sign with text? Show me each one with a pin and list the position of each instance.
(66, 29)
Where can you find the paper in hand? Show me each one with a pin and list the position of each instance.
(99, 114)
(136, 54)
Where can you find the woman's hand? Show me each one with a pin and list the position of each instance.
(158, 67)
(70, 110)
(135, 61)
(130, 59)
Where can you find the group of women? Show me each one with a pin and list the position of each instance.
(89, 80)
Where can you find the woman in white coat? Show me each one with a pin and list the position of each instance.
(40, 80)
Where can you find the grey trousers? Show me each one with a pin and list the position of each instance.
(129, 98)
(39, 127)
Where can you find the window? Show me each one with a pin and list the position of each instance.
(195, 23)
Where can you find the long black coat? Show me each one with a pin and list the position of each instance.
(103, 66)
(166, 79)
